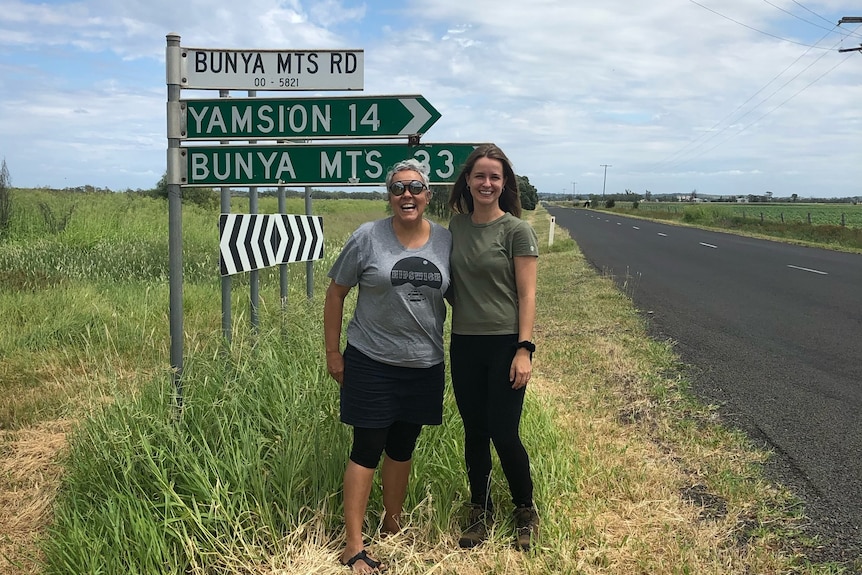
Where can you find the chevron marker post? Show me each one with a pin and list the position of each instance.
(250, 242)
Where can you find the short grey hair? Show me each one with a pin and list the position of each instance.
(411, 164)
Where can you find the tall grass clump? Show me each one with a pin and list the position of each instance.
(256, 452)
(256, 456)
(254, 462)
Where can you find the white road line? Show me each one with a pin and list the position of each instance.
(635, 228)
(709, 246)
(619, 223)
(662, 235)
(808, 270)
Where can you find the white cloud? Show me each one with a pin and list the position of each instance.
(667, 93)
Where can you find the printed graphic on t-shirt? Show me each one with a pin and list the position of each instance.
(416, 272)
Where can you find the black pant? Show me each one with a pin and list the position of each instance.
(491, 411)
(398, 440)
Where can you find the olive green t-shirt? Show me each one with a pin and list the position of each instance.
(482, 264)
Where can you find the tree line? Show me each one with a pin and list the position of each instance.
(438, 205)
(209, 198)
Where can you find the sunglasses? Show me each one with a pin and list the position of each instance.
(415, 187)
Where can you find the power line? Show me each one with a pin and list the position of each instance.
(812, 11)
(776, 107)
(773, 109)
(754, 29)
(738, 119)
(832, 29)
(710, 134)
(842, 21)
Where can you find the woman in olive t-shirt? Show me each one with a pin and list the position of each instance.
(493, 266)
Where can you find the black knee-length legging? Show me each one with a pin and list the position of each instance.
(491, 411)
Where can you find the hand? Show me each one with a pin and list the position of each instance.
(521, 370)
(335, 366)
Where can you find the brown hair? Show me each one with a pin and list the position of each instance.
(460, 200)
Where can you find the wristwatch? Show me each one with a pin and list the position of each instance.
(528, 345)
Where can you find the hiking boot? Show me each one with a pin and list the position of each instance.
(526, 526)
(478, 522)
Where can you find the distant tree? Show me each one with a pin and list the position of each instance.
(438, 206)
(647, 195)
(206, 198)
(161, 189)
(794, 197)
(529, 194)
(5, 199)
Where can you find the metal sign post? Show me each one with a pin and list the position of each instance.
(175, 221)
(226, 324)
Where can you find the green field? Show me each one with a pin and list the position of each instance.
(836, 226)
(99, 473)
(815, 214)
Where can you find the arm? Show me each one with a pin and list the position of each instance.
(526, 272)
(333, 315)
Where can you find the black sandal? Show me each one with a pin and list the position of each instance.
(376, 566)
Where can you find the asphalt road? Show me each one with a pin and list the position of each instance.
(773, 335)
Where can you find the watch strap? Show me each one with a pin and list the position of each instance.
(526, 344)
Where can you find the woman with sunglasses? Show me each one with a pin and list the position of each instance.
(391, 372)
(494, 272)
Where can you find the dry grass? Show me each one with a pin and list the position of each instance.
(29, 477)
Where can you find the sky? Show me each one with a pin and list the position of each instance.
(722, 97)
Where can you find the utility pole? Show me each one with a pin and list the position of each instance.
(573, 189)
(851, 20)
(605, 166)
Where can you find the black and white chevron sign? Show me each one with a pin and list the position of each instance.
(253, 241)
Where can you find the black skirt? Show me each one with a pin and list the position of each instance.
(376, 394)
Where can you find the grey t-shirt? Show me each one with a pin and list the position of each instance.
(400, 311)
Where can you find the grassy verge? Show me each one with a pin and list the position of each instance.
(98, 475)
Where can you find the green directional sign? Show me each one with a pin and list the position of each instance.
(310, 118)
(315, 165)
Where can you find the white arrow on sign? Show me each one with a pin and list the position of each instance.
(420, 116)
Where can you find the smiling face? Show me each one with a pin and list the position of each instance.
(486, 181)
(409, 206)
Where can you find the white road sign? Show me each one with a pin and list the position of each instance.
(218, 69)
